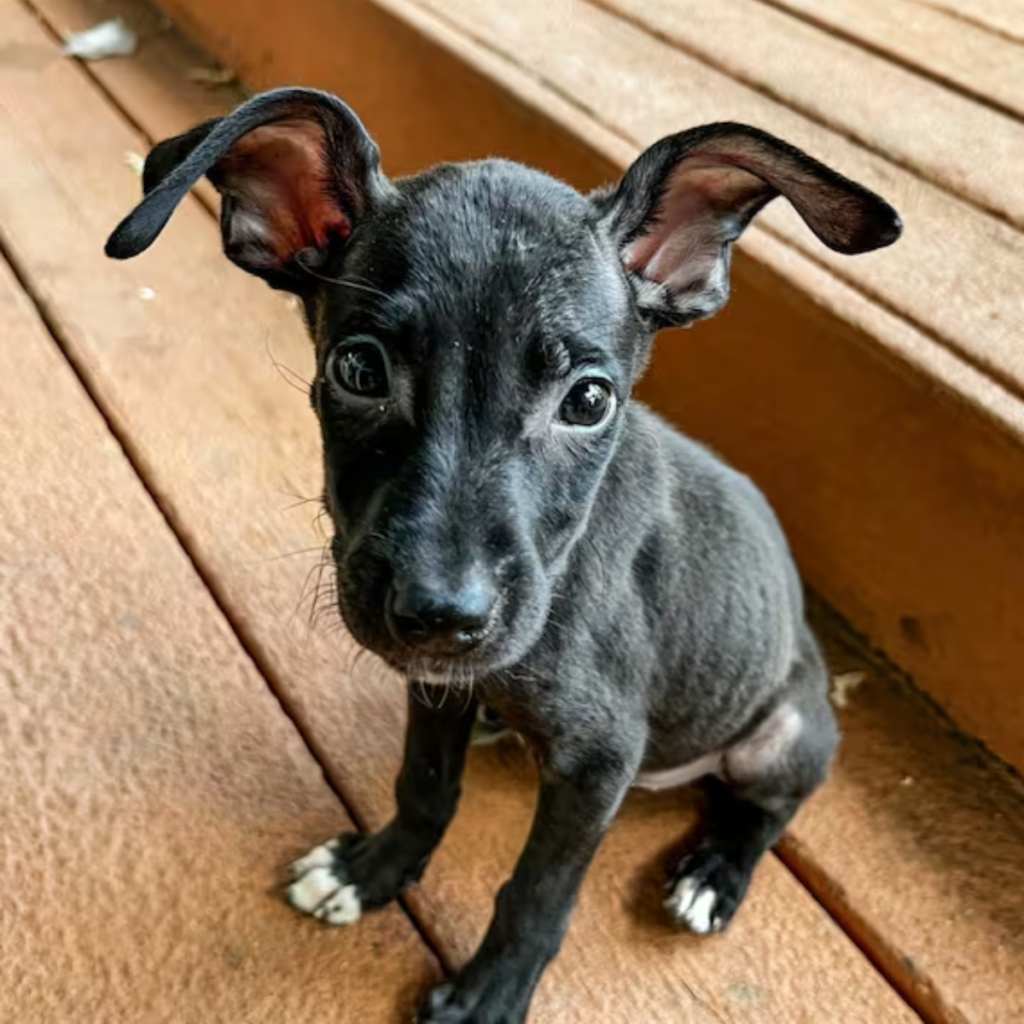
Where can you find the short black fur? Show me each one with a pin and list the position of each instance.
(613, 592)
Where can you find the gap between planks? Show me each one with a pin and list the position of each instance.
(248, 642)
(833, 26)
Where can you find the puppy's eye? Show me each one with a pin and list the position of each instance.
(588, 404)
(360, 367)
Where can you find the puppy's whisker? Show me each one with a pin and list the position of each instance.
(302, 501)
(293, 554)
(287, 374)
(469, 695)
(341, 282)
(319, 570)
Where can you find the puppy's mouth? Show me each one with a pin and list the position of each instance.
(455, 672)
(437, 663)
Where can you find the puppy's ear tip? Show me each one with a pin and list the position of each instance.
(125, 242)
(113, 249)
(892, 229)
(880, 227)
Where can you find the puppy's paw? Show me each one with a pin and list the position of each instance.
(448, 1004)
(705, 891)
(322, 887)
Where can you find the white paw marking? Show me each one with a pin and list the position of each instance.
(318, 890)
(341, 908)
(318, 857)
(693, 905)
(699, 916)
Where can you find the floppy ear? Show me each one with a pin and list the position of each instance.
(682, 204)
(297, 171)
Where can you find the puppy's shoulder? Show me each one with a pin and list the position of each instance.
(696, 481)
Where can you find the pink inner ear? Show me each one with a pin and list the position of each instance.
(279, 178)
(684, 247)
(686, 237)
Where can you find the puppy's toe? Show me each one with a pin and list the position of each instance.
(322, 889)
(322, 856)
(706, 892)
(693, 905)
(341, 907)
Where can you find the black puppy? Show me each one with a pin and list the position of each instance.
(507, 521)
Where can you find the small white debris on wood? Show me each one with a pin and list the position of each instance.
(135, 162)
(211, 76)
(108, 39)
(907, 780)
(146, 294)
(843, 685)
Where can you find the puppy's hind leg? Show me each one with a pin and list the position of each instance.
(337, 881)
(767, 776)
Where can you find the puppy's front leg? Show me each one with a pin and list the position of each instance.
(577, 804)
(337, 881)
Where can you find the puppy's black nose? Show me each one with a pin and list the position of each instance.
(441, 619)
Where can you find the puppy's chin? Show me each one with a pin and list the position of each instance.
(453, 673)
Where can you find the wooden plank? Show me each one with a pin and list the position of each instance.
(211, 450)
(723, 370)
(996, 15)
(177, 89)
(656, 89)
(153, 791)
(917, 845)
(365, 39)
(951, 50)
(947, 138)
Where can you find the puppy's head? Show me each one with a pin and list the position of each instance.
(478, 329)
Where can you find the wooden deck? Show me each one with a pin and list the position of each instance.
(175, 729)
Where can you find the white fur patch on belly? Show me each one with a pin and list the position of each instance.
(683, 775)
(771, 741)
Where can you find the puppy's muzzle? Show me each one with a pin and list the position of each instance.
(438, 619)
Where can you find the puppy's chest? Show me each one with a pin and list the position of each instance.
(556, 717)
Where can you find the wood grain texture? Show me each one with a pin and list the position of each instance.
(929, 39)
(967, 148)
(998, 16)
(186, 376)
(369, 44)
(153, 791)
